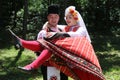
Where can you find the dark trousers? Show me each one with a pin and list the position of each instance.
(44, 72)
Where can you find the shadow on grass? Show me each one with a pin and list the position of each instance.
(106, 48)
(16, 58)
(106, 43)
(11, 72)
(108, 61)
(17, 75)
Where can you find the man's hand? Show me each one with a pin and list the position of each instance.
(55, 35)
(49, 34)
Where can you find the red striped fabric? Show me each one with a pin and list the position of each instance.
(81, 47)
(63, 68)
(79, 56)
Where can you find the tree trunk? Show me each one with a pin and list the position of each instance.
(25, 16)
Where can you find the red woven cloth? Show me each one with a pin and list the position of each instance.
(80, 47)
(79, 58)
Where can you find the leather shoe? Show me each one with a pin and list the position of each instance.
(31, 70)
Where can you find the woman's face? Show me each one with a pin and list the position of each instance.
(70, 20)
(53, 19)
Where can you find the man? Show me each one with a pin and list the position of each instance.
(49, 72)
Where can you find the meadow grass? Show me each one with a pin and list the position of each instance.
(10, 59)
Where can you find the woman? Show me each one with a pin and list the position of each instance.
(79, 59)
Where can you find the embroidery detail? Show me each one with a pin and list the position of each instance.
(73, 59)
(53, 78)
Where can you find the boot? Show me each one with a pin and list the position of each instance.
(16, 40)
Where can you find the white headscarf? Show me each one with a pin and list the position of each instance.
(80, 20)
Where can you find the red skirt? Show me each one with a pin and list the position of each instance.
(79, 58)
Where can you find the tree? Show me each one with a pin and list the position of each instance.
(102, 16)
(25, 16)
(8, 9)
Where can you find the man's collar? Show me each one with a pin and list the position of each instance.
(51, 26)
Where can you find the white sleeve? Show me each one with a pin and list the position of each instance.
(41, 34)
(45, 25)
(80, 32)
(62, 27)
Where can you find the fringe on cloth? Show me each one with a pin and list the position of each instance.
(79, 56)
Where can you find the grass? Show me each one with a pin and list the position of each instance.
(110, 63)
(8, 68)
(108, 55)
(8, 65)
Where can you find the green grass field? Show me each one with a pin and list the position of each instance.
(10, 58)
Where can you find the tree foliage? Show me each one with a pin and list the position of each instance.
(100, 16)
(8, 9)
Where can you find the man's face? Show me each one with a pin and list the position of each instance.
(53, 19)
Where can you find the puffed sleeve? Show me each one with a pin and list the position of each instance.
(41, 34)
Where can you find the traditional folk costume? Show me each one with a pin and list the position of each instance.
(50, 72)
(78, 56)
(76, 53)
